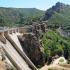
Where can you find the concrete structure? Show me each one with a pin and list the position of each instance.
(13, 48)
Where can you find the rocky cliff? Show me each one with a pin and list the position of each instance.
(31, 46)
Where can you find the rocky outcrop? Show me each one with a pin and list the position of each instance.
(38, 29)
(31, 46)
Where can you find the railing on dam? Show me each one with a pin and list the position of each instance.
(13, 30)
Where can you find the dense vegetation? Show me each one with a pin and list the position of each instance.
(54, 44)
(58, 15)
(19, 16)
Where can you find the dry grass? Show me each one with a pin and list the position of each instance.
(65, 65)
(2, 65)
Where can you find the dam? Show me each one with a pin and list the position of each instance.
(13, 49)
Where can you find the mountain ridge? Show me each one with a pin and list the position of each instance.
(58, 15)
(11, 16)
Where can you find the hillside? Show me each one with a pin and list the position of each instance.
(54, 44)
(12, 16)
(58, 15)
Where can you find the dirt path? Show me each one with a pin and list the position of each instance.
(44, 67)
(55, 65)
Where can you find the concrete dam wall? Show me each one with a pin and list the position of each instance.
(13, 49)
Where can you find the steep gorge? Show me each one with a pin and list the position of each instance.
(31, 46)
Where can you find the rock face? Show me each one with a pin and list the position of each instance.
(38, 29)
(31, 46)
(50, 12)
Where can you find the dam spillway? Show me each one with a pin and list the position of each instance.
(13, 54)
(13, 49)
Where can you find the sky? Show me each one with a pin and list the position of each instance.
(39, 4)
